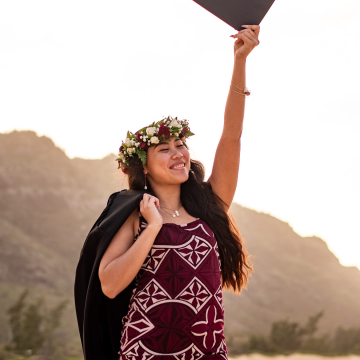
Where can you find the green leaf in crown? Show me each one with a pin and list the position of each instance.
(135, 143)
(142, 155)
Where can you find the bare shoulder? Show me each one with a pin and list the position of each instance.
(122, 240)
(133, 221)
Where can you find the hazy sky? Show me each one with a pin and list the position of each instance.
(85, 72)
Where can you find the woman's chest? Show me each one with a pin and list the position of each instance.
(178, 256)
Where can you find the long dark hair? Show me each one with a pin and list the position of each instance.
(199, 200)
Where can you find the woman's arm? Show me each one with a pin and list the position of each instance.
(223, 178)
(123, 258)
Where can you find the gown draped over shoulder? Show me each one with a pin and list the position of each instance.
(176, 309)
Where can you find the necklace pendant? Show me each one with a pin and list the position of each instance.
(177, 213)
(173, 215)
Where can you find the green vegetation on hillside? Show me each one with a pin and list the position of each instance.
(288, 337)
(49, 202)
(33, 326)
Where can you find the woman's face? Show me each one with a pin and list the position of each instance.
(168, 162)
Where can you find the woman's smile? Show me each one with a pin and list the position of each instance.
(178, 166)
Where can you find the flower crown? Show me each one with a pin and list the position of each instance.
(136, 144)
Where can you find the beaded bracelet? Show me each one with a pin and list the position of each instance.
(245, 92)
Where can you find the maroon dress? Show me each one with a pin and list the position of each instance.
(176, 309)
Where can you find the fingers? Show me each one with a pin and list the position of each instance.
(155, 200)
(143, 203)
(245, 31)
(248, 39)
(240, 32)
(255, 28)
(239, 39)
(251, 35)
(147, 199)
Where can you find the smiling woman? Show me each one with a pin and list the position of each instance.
(180, 244)
(170, 155)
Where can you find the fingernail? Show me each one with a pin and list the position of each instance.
(245, 25)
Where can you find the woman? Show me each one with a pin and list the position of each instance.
(181, 245)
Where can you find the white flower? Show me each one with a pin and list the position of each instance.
(137, 144)
(130, 150)
(149, 143)
(127, 141)
(121, 156)
(154, 140)
(176, 134)
(150, 131)
(174, 123)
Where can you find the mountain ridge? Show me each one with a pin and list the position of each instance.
(48, 203)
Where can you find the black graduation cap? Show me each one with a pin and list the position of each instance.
(238, 12)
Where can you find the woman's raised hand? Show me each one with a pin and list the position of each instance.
(149, 210)
(246, 40)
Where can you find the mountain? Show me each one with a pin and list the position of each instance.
(49, 202)
(293, 277)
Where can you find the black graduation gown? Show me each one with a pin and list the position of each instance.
(99, 317)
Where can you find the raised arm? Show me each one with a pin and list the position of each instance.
(224, 175)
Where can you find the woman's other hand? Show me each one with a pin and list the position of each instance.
(246, 40)
(149, 210)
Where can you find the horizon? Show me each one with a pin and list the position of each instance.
(234, 201)
(85, 73)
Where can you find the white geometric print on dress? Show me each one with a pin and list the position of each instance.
(216, 248)
(133, 354)
(209, 327)
(219, 298)
(199, 226)
(194, 251)
(195, 295)
(151, 295)
(195, 354)
(194, 351)
(137, 328)
(222, 350)
(154, 259)
(176, 309)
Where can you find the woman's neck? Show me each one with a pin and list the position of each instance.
(168, 195)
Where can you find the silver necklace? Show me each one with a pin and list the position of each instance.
(173, 214)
